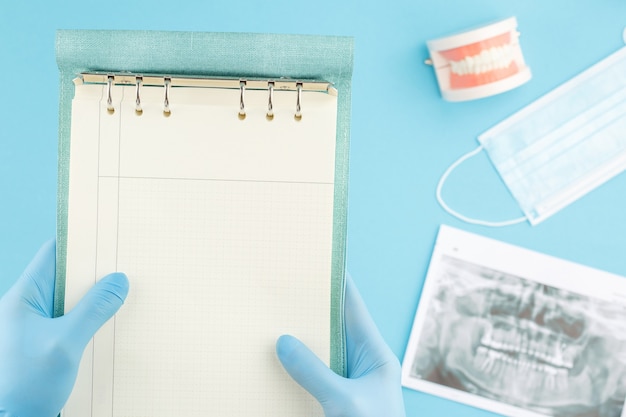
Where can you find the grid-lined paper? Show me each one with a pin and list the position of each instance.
(224, 228)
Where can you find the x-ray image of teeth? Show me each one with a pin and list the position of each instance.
(522, 343)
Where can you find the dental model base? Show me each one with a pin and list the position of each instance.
(479, 63)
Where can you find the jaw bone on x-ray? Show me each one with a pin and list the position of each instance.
(522, 343)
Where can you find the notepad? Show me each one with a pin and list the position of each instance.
(223, 200)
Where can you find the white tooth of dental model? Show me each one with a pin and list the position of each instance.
(488, 60)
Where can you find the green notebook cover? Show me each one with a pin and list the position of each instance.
(238, 55)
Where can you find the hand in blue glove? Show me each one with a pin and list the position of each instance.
(372, 388)
(39, 355)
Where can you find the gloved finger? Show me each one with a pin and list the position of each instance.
(36, 284)
(97, 306)
(306, 368)
(364, 341)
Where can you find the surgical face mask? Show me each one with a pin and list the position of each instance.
(560, 147)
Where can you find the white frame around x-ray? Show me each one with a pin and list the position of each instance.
(517, 263)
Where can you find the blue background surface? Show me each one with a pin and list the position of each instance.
(403, 134)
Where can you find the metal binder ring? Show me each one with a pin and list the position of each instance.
(298, 115)
(138, 82)
(110, 107)
(270, 104)
(167, 81)
(242, 106)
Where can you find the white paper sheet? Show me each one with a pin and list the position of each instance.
(224, 228)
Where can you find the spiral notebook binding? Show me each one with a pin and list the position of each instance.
(138, 83)
(242, 84)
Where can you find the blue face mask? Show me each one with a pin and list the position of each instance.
(562, 146)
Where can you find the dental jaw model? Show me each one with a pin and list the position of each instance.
(480, 62)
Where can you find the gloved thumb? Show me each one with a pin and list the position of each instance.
(306, 368)
(97, 306)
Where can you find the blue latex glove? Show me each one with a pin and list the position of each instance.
(39, 355)
(372, 388)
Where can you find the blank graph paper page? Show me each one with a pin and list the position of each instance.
(224, 227)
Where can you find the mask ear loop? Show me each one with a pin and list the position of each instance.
(458, 215)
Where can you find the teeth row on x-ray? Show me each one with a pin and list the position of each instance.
(542, 311)
(499, 363)
(552, 350)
